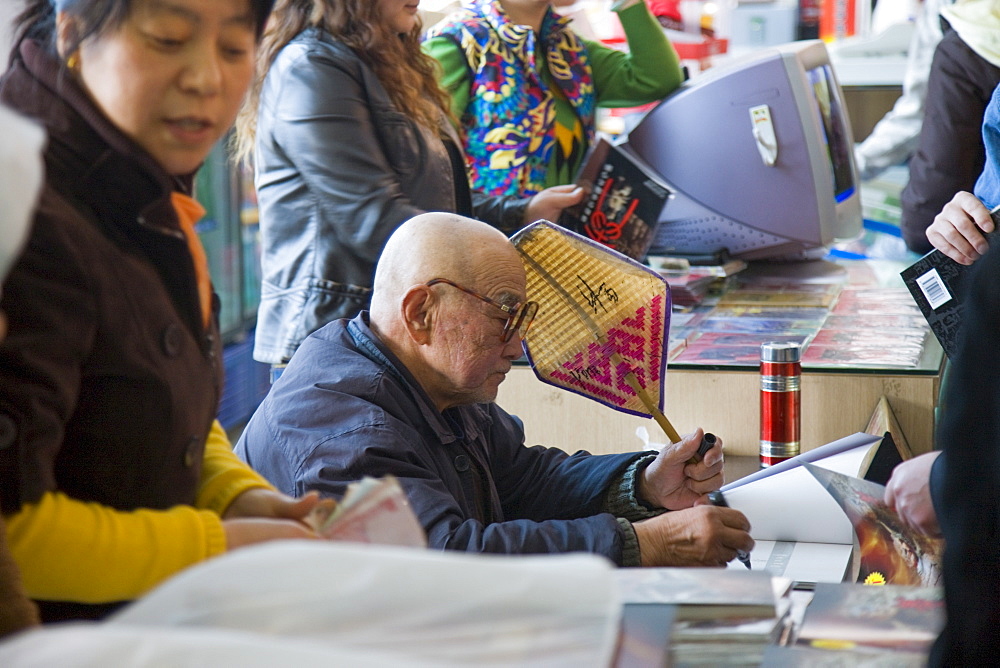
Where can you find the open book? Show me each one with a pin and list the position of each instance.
(801, 531)
(889, 552)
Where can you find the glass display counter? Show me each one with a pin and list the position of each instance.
(837, 399)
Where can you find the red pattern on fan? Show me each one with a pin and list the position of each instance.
(641, 349)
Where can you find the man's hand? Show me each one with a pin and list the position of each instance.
(699, 536)
(549, 203)
(671, 482)
(958, 230)
(909, 494)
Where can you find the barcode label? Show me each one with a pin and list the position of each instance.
(934, 289)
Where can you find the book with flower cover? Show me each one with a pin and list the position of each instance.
(623, 203)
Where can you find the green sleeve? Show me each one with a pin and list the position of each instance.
(649, 72)
(454, 72)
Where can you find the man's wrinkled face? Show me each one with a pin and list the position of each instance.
(468, 351)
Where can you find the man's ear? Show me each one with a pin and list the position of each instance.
(67, 34)
(418, 310)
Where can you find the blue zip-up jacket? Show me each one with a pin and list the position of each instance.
(346, 407)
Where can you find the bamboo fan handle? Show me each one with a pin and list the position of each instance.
(647, 401)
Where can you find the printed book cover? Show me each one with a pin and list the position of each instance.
(901, 618)
(623, 203)
(702, 593)
(889, 551)
(936, 281)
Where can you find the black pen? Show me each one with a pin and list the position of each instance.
(717, 499)
(708, 441)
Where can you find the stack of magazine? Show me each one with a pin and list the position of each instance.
(898, 623)
(721, 617)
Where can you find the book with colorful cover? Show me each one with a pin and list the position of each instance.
(865, 355)
(750, 297)
(698, 352)
(890, 552)
(623, 203)
(898, 617)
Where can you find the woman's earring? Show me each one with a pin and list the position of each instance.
(73, 62)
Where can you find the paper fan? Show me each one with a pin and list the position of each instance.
(602, 321)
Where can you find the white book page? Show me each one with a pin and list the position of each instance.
(801, 562)
(793, 506)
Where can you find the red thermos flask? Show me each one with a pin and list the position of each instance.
(780, 400)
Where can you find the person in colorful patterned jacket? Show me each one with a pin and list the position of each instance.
(525, 88)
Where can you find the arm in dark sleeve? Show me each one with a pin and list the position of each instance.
(545, 483)
(377, 450)
(950, 153)
(504, 213)
(938, 474)
(50, 307)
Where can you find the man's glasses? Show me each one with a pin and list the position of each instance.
(519, 316)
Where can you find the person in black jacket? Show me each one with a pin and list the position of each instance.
(967, 477)
(350, 136)
(949, 154)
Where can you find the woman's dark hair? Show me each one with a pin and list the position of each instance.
(38, 20)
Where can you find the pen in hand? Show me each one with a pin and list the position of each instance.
(717, 499)
(708, 441)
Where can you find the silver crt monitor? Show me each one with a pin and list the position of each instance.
(758, 154)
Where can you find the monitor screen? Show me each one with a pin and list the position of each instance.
(832, 121)
(757, 155)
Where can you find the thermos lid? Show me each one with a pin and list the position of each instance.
(780, 352)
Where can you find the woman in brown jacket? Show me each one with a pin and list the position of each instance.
(21, 165)
(114, 474)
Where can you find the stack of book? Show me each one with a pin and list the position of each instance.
(720, 616)
(690, 283)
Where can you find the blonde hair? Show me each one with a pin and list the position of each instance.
(408, 74)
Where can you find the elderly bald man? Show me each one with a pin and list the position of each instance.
(408, 390)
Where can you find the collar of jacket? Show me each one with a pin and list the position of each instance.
(87, 153)
(521, 39)
(471, 419)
